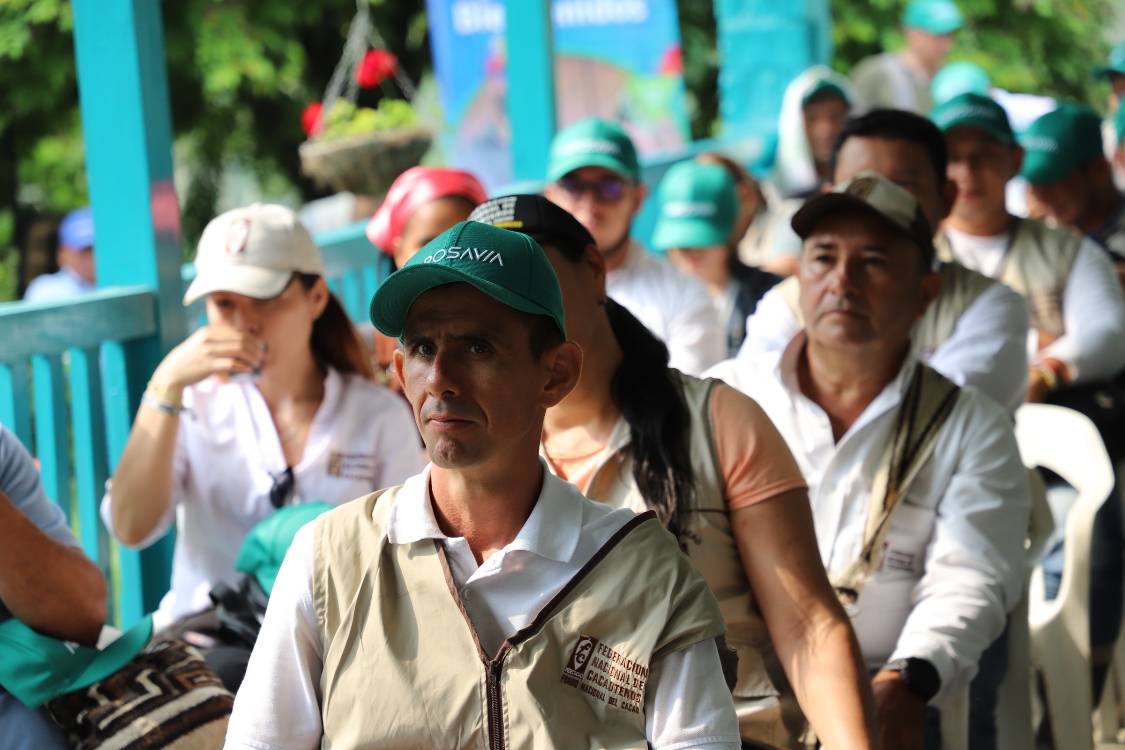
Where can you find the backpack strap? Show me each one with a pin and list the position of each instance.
(925, 408)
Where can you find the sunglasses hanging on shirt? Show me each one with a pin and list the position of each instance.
(282, 487)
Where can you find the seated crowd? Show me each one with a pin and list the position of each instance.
(758, 486)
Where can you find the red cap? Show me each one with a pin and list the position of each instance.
(413, 189)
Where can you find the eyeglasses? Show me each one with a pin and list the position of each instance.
(608, 190)
(282, 487)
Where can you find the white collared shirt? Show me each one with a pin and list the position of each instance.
(953, 562)
(687, 703)
(1093, 340)
(363, 438)
(672, 305)
(987, 350)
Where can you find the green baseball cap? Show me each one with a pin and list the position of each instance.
(592, 142)
(265, 546)
(697, 205)
(958, 78)
(508, 266)
(1060, 142)
(975, 111)
(36, 668)
(933, 16)
(825, 87)
(1115, 62)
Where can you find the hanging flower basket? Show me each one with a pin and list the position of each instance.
(366, 163)
(362, 150)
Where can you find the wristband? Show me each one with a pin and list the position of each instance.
(150, 400)
(168, 396)
(918, 676)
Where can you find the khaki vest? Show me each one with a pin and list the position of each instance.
(403, 668)
(1038, 265)
(709, 542)
(960, 288)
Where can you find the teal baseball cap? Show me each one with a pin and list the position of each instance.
(265, 546)
(958, 78)
(1060, 142)
(1119, 127)
(975, 111)
(592, 142)
(697, 205)
(933, 16)
(1115, 62)
(36, 668)
(508, 266)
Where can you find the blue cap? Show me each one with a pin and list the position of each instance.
(933, 16)
(76, 232)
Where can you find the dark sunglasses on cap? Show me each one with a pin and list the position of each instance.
(608, 190)
(282, 488)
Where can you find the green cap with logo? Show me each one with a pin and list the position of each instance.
(975, 111)
(36, 668)
(508, 266)
(593, 142)
(958, 78)
(1060, 142)
(1115, 63)
(697, 206)
(933, 16)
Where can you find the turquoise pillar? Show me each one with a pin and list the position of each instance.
(126, 123)
(531, 86)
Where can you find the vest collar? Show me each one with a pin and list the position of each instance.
(551, 531)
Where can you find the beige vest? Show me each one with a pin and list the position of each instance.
(960, 288)
(403, 667)
(709, 542)
(1038, 265)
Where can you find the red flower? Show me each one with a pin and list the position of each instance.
(377, 66)
(310, 119)
(672, 61)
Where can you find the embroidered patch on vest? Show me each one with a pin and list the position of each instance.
(604, 674)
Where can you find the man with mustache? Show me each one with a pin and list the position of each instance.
(486, 601)
(916, 484)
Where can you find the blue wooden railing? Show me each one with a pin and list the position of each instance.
(70, 383)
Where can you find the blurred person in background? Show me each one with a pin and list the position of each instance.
(76, 274)
(593, 173)
(901, 80)
(813, 111)
(269, 405)
(697, 206)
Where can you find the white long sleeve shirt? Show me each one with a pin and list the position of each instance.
(1093, 341)
(687, 702)
(987, 350)
(953, 561)
(672, 305)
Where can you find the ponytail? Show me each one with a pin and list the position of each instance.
(335, 341)
(647, 394)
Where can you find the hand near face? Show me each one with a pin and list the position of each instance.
(900, 713)
(212, 350)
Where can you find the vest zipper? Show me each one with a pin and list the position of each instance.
(496, 701)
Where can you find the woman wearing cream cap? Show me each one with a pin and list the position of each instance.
(269, 404)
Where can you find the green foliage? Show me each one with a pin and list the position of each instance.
(701, 65)
(1045, 47)
(345, 119)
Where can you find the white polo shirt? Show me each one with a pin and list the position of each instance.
(363, 438)
(987, 350)
(1093, 340)
(672, 305)
(953, 561)
(687, 702)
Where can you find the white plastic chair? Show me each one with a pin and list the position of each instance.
(1068, 444)
(955, 723)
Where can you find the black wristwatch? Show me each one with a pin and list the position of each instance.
(919, 676)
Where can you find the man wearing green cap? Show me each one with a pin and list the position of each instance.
(1071, 182)
(593, 173)
(698, 206)
(1113, 72)
(485, 601)
(46, 583)
(901, 80)
(1077, 310)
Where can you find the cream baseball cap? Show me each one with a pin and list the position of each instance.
(253, 251)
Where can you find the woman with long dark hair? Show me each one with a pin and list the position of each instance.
(636, 433)
(271, 403)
